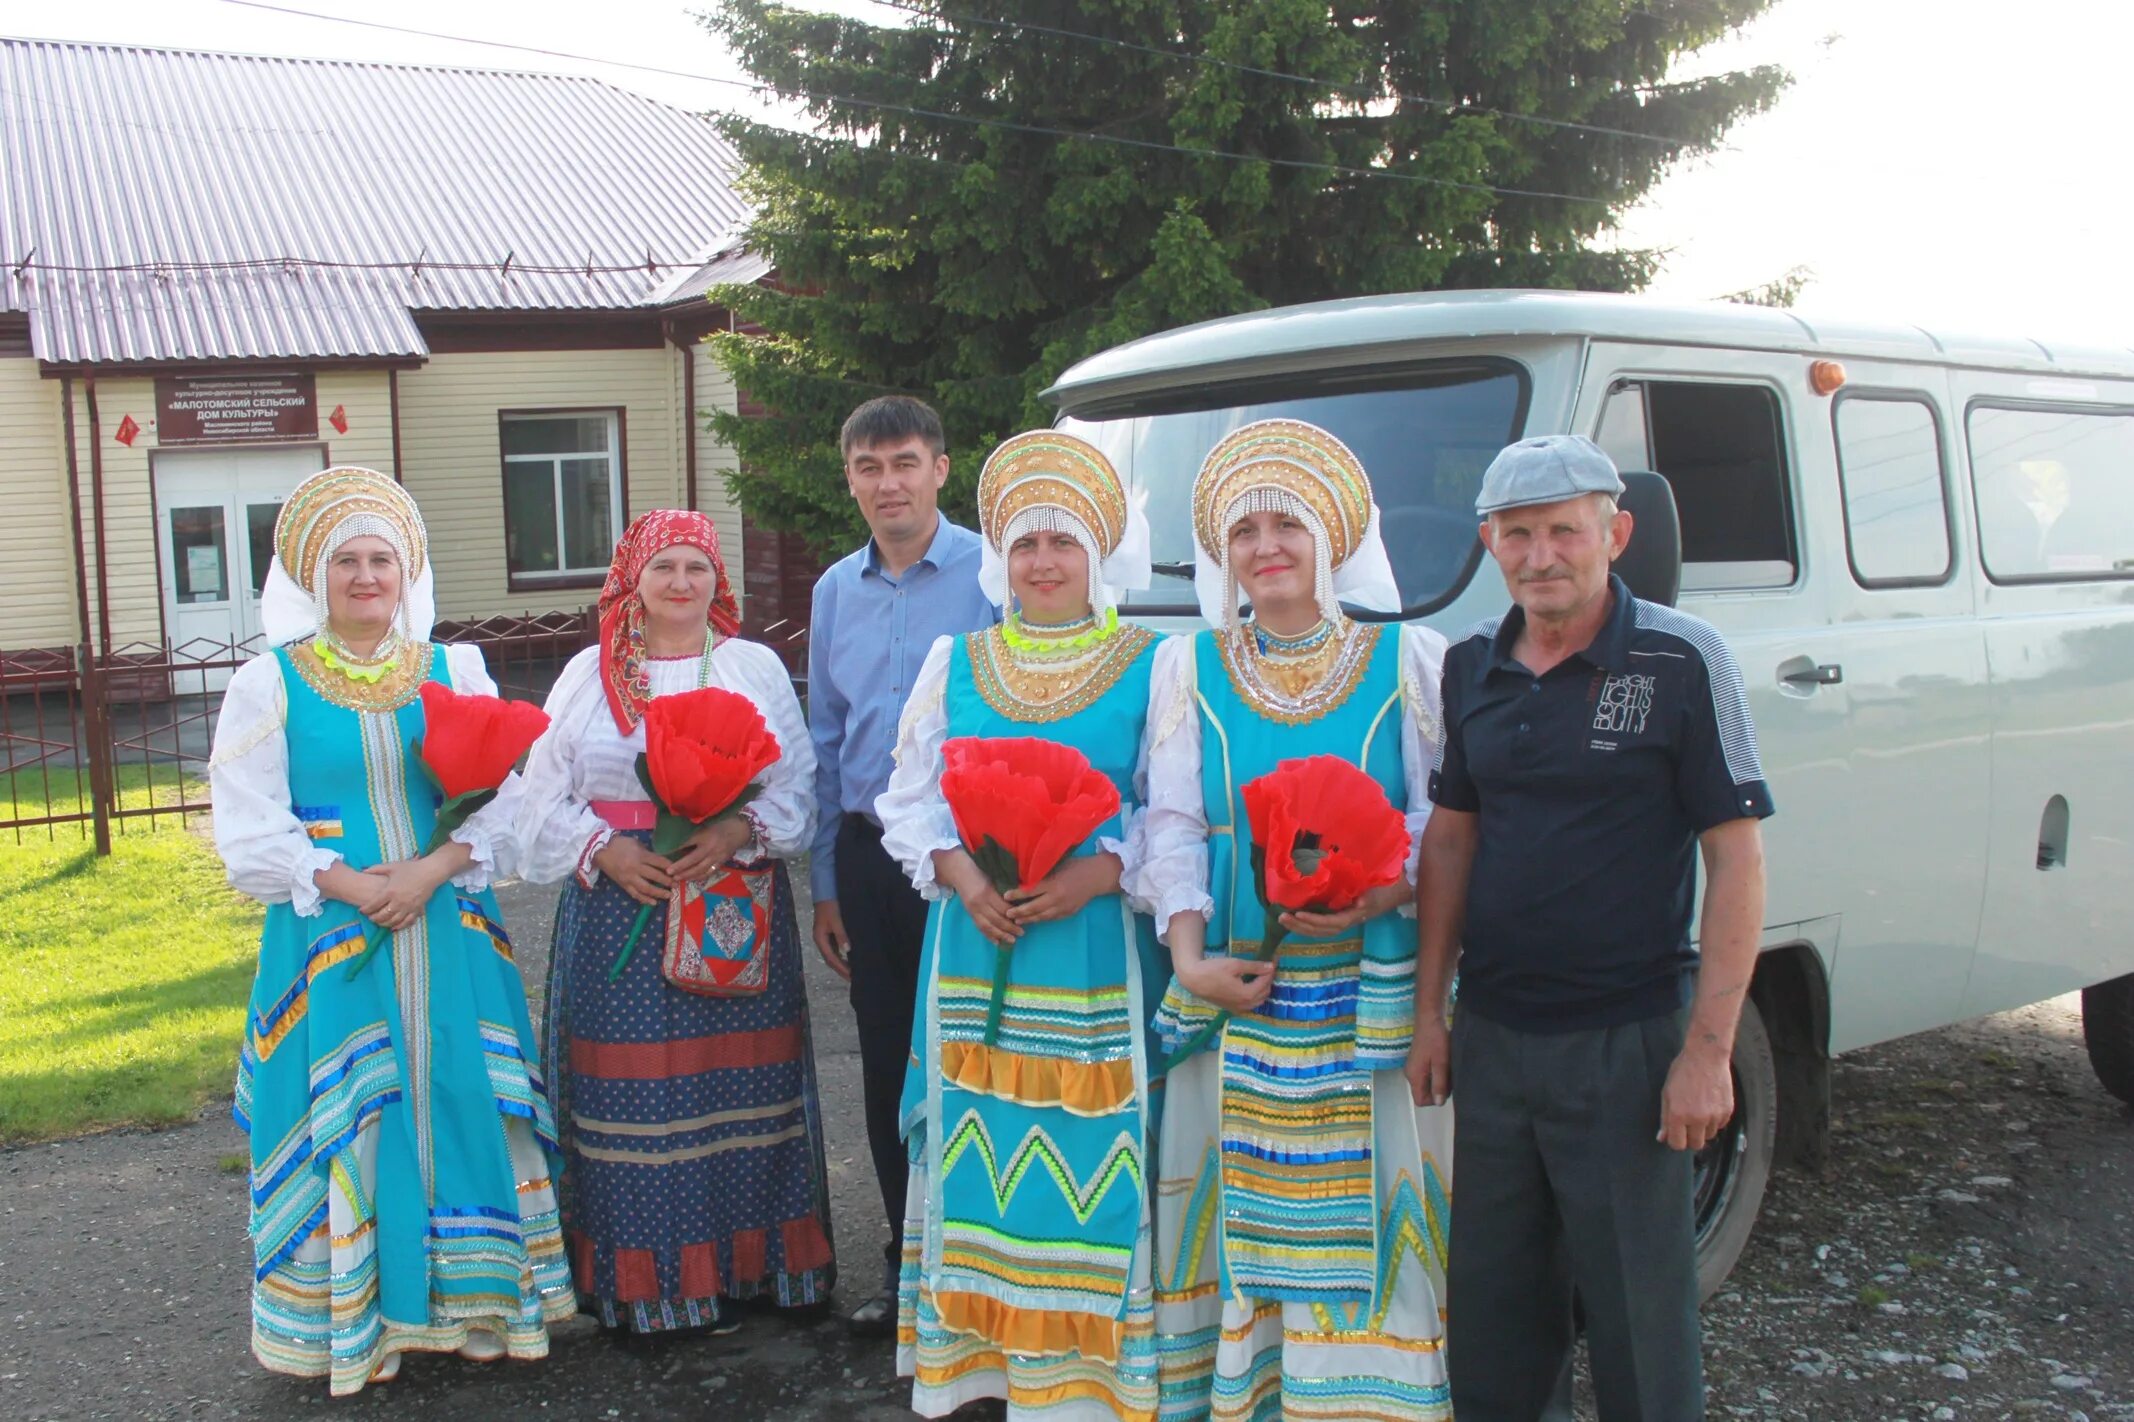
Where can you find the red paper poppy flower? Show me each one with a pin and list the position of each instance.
(1032, 800)
(1324, 834)
(470, 743)
(703, 749)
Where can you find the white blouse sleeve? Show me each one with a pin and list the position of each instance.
(490, 833)
(1131, 845)
(265, 850)
(557, 831)
(783, 813)
(1422, 729)
(1172, 875)
(915, 817)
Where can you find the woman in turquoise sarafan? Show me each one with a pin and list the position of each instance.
(1301, 1196)
(1027, 1234)
(402, 1154)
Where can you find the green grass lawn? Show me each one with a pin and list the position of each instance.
(122, 980)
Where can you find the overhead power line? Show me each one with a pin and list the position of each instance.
(884, 106)
(1359, 91)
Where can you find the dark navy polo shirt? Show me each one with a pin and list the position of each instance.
(1591, 784)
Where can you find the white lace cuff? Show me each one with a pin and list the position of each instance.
(481, 845)
(304, 895)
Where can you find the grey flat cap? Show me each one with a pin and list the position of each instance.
(1544, 470)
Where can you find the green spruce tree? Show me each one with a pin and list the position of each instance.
(969, 263)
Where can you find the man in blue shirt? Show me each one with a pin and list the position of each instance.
(1593, 746)
(876, 614)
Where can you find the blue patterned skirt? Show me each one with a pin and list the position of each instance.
(691, 1127)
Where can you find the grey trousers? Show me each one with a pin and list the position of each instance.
(1559, 1185)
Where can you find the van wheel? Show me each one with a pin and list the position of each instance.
(1734, 1166)
(2108, 1031)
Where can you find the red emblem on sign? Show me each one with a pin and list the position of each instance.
(339, 419)
(127, 432)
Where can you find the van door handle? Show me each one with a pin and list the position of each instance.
(1822, 674)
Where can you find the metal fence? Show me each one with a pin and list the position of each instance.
(89, 743)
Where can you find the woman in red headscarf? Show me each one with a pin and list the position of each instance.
(683, 1079)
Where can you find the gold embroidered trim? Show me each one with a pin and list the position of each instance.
(1047, 468)
(1037, 690)
(1293, 692)
(399, 686)
(1299, 458)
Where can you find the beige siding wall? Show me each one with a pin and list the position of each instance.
(36, 537)
(367, 397)
(131, 550)
(715, 392)
(452, 461)
(136, 599)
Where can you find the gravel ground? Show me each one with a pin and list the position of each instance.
(1966, 1255)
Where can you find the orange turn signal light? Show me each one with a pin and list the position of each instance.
(1825, 376)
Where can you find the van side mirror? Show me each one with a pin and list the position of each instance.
(1652, 565)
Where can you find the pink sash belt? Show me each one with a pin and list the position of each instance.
(627, 814)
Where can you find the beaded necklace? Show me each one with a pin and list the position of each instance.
(384, 681)
(711, 639)
(335, 653)
(1293, 680)
(1039, 672)
(1042, 638)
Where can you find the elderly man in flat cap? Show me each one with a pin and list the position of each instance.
(1593, 745)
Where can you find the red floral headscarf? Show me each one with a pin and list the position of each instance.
(622, 611)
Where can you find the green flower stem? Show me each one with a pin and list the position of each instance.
(1000, 992)
(629, 944)
(1270, 951)
(374, 938)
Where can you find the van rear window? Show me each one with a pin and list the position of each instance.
(1425, 432)
(2055, 490)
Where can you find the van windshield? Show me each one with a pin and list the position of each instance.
(1425, 432)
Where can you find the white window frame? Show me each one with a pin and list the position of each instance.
(554, 460)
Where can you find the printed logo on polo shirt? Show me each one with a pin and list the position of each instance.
(1625, 702)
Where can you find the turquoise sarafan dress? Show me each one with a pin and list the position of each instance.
(1302, 1199)
(1028, 1232)
(402, 1151)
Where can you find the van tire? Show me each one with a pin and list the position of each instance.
(2108, 1032)
(1731, 1173)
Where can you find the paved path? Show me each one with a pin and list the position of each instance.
(124, 1279)
(1969, 1256)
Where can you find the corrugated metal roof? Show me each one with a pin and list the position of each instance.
(739, 266)
(263, 208)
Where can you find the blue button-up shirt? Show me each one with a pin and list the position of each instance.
(868, 636)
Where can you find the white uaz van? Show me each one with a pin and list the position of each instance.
(1921, 548)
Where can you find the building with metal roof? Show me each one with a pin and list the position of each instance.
(220, 271)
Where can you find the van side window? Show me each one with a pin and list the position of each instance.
(1896, 501)
(2055, 491)
(1721, 448)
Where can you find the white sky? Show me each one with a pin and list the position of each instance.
(1940, 161)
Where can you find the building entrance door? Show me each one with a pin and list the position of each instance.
(215, 512)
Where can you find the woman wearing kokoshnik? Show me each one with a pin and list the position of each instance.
(690, 1122)
(1027, 1239)
(1301, 1196)
(402, 1156)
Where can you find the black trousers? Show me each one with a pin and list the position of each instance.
(885, 920)
(1560, 1185)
